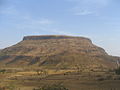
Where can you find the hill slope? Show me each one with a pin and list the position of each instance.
(56, 52)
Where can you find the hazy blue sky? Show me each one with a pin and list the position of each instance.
(96, 19)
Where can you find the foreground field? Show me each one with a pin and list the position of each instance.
(29, 80)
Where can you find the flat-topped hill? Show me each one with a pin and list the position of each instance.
(57, 51)
(42, 37)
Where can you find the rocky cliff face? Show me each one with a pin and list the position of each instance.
(56, 52)
(53, 37)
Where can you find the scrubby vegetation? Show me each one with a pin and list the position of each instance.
(2, 71)
(58, 86)
(117, 71)
(9, 87)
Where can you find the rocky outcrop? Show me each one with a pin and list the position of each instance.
(43, 37)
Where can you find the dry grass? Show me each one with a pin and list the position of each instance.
(27, 80)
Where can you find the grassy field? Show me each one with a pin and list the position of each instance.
(71, 79)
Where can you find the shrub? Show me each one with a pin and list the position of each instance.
(101, 79)
(117, 71)
(2, 71)
(52, 87)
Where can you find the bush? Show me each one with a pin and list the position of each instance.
(2, 71)
(52, 87)
(117, 71)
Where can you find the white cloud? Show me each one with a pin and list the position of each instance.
(37, 26)
(45, 21)
(62, 32)
(87, 7)
(25, 22)
(8, 10)
(28, 22)
(84, 13)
